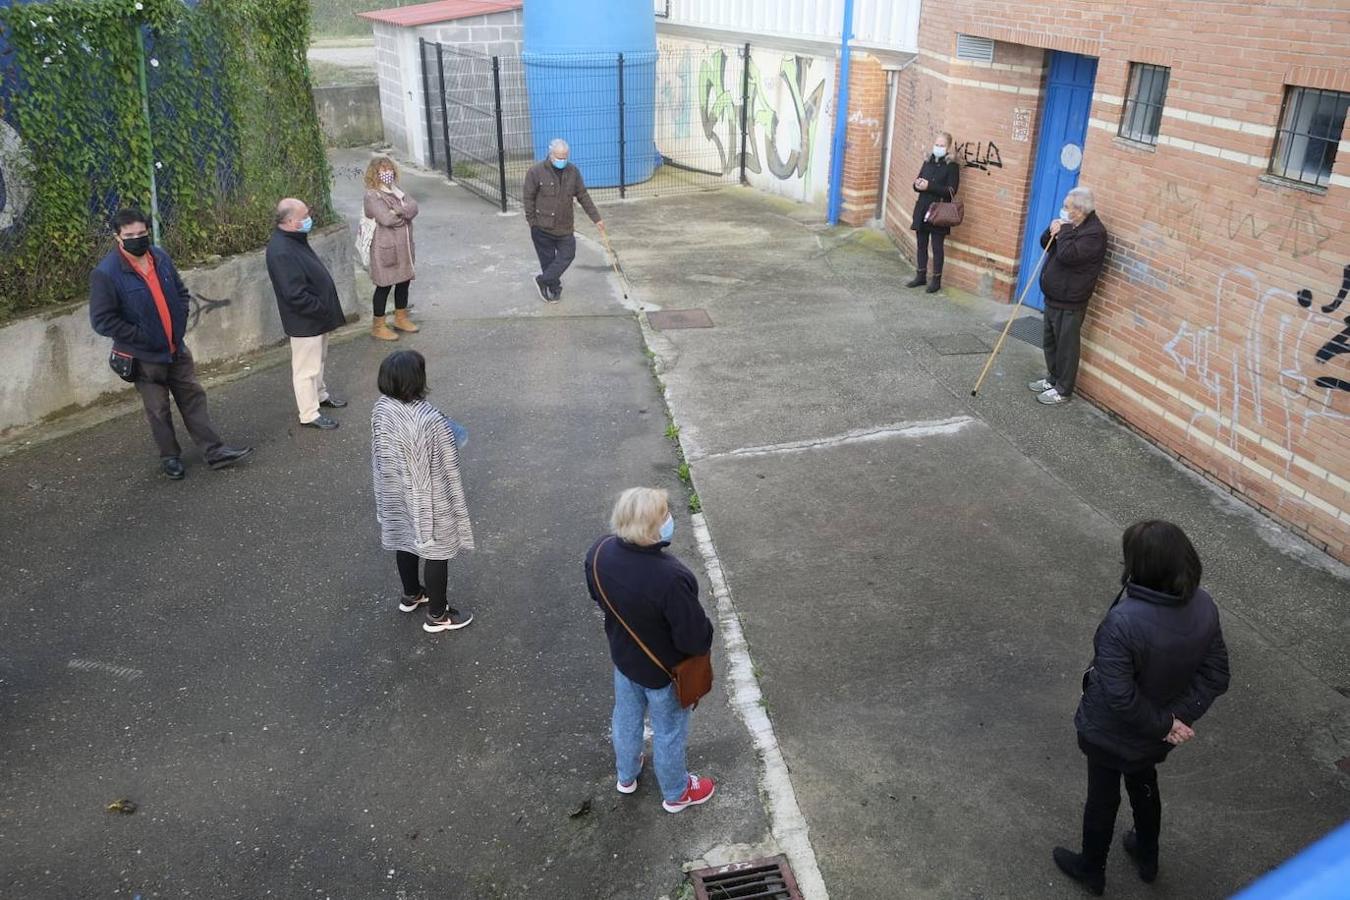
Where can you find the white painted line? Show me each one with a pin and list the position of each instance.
(93, 665)
(786, 821)
(859, 436)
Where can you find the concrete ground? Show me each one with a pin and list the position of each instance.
(920, 582)
(918, 575)
(226, 652)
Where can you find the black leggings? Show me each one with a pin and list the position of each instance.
(437, 572)
(382, 298)
(921, 262)
(1103, 799)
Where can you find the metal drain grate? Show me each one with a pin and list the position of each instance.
(760, 879)
(958, 345)
(1026, 328)
(668, 319)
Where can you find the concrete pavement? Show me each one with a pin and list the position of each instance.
(919, 574)
(226, 651)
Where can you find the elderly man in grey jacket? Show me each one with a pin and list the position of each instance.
(550, 187)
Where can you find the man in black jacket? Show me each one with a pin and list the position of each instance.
(137, 299)
(1072, 265)
(550, 187)
(308, 302)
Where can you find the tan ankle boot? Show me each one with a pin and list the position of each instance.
(402, 322)
(381, 331)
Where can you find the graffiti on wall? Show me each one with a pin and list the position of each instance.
(1021, 125)
(784, 112)
(979, 155)
(1299, 234)
(203, 306)
(1257, 331)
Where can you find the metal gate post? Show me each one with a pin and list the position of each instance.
(426, 100)
(445, 114)
(621, 132)
(501, 141)
(745, 107)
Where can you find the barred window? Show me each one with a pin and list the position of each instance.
(1311, 122)
(1144, 103)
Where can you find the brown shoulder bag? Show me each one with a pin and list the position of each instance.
(692, 676)
(945, 213)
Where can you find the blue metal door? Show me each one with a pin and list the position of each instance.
(1059, 154)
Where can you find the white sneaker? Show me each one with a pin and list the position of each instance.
(1040, 385)
(631, 786)
(1051, 397)
(410, 604)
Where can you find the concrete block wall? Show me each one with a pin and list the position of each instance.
(1207, 332)
(55, 363)
(349, 114)
(393, 99)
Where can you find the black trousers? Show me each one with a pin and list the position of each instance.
(156, 382)
(555, 255)
(1103, 801)
(1061, 339)
(381, 298)
(433, 585)
(923, 235)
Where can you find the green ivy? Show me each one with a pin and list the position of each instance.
(232, 129)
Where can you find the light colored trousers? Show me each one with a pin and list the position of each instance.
(308, 355)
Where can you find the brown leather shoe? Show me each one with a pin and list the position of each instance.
(381, 331)
(403, 322)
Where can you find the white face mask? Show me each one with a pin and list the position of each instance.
(939, 151)
(1064, 214)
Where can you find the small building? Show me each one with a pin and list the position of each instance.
(481, 27)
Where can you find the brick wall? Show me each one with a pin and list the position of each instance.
(1207, 328)
(865, 139)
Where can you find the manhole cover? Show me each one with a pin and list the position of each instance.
(669, 319)
(958, 345)
(760, 879)
(1026, 328)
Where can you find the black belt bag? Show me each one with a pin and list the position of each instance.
(123, 365)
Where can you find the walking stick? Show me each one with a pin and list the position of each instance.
(1007, 328)
(614, 261)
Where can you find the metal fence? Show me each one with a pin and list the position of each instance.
(639, 125)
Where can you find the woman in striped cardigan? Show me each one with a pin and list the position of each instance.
(419, 499)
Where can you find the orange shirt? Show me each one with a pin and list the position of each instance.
(151, 279)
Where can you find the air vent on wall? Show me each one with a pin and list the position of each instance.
(979, 49)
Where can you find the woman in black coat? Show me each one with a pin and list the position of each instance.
(1158, 663)
(939, 178)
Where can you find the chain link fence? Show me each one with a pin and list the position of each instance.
(636, 123)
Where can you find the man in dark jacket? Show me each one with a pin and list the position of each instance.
(137, 299)
(550, 187)
(308, 302)
(1072, 265)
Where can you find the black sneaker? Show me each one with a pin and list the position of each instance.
(1073, 865)
(544, 293)
(410, 604)
(451, 621)
(323, 423)
(172, 467)
(555, 294)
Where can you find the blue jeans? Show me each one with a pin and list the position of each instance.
(670, 731)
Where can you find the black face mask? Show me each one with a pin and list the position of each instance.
(137, 246)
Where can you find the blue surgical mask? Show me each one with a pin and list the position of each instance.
(305, 225)
(668, 528)
(559, 163)
(1064, 215)
(939, 151)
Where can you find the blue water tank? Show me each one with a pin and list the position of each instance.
(572, 72)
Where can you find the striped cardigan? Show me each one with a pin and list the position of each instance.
(419, 500)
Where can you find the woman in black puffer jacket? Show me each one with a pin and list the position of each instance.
(939, 179)
(1158, 663)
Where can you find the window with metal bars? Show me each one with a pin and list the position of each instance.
(1144, 103)
(1311, 122)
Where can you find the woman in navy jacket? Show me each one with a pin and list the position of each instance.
(1159, 661)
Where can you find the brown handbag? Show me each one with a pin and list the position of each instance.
(692, 676)
(945, 213)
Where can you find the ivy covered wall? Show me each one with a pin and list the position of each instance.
(210, 99)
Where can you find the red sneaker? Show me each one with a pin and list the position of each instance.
(698, 790)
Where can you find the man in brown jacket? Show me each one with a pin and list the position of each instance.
(550, 186)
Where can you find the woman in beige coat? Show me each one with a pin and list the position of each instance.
(392, 251)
